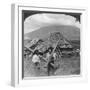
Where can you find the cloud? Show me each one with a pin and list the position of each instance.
(37, 21)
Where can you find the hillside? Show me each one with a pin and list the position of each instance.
(69, 32)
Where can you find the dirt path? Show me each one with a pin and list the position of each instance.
(68, 66)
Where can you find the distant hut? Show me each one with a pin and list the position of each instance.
(64, 45)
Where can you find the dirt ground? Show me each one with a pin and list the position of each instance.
(68, 66)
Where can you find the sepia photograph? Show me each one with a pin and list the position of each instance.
(51, 43)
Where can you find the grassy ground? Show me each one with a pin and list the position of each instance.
(68, 66)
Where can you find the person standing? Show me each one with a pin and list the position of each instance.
(48, 54)
(35, 58)
(50, 67)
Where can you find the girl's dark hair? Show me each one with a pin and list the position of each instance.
(36, 52)
(40, 53)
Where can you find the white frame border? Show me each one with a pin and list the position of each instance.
(16, 35)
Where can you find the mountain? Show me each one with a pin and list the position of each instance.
(26, 41)
(69, 32)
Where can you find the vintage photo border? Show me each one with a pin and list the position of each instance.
(17, 48)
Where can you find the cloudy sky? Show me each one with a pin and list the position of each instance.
(36, 21)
